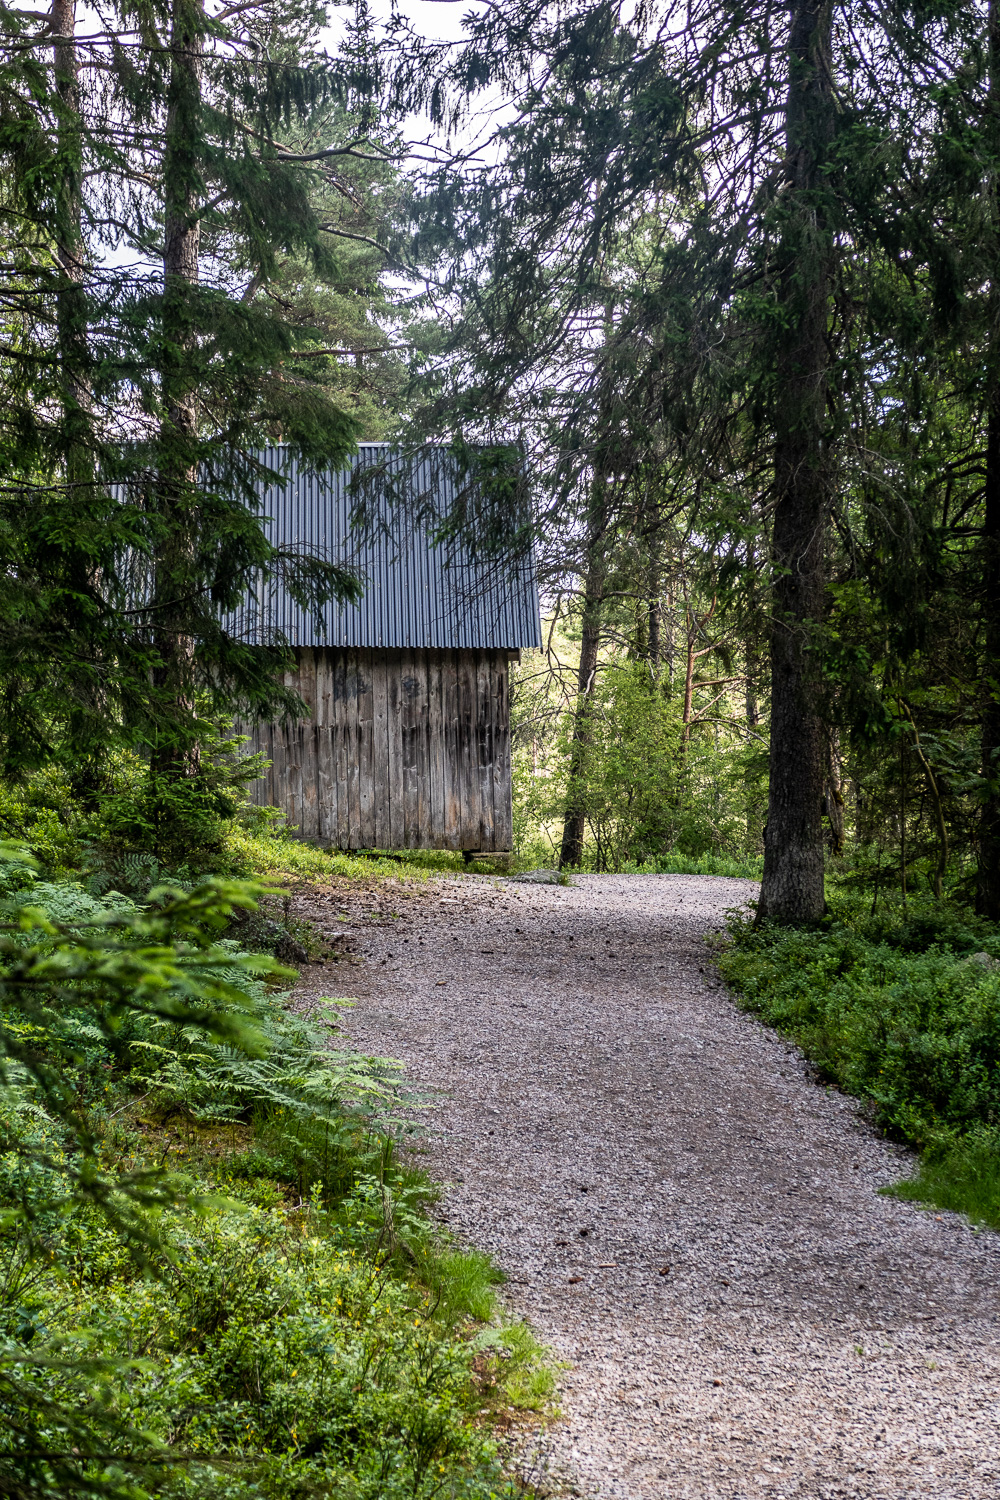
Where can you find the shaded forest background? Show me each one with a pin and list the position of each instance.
(704, 308)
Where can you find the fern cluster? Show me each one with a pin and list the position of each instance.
(207, 1251)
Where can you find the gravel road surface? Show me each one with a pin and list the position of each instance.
(686, 1218)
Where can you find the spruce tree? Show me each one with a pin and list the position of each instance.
(750, 160)
(793, 887)
(988, 883)
(152, 193)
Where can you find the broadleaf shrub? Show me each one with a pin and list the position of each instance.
(652, 800)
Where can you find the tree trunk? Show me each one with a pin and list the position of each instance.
(792, 887)
(750, 695)
(753, 824)
(934, 787)
(988, 882)
(177, 515)
(667, 635)
(835, 793)
(751, 659)
(653, 611)
(71, 312)
(654, 638)
(689, 665)
(694, 625)
(571, 852)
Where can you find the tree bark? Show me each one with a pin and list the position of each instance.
(792, 887)
(988, 881)
(574, 822)
(667, 636)
(750, 695)
(654, 617)
(653, 648)
(177, 515)
(71, 312)
(835, 793)
(933, 786)
(695, 624)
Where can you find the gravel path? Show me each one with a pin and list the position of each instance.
(610, 1114)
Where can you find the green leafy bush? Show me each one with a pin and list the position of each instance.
(42, 814)
(265, 1357)
(745, 867)
(650, 798)
(902, 1010)
(181, 821)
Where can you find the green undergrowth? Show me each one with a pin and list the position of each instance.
(745, 868)
(901, 1009)
(105, 838)
(279, 855)
(963, 1177)
(219, 1277)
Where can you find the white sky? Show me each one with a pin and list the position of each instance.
(435, 21)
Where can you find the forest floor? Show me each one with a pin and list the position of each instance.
(688, 1220)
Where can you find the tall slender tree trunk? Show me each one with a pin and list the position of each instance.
(988, 883)
(750, 702)
(574, 822)
(71, 313)
(654, 612)
(937, 802)
(792, 888)
(73, 351)
(753, 824)
(834, 795)
(695, 625)
(177, 509)
(653, 646)
(668, 630)
(689, 666)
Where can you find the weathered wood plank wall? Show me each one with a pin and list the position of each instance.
(403, 750)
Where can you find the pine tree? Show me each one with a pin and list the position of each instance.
(988, 885)
(793, 888)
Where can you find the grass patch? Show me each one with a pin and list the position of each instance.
(463, 1282)
(901, 1009)
(964, 1178)
(743, 868)
(261, 852)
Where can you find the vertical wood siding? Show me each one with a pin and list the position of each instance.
(403, 750)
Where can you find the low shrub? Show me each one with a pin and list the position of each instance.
(902, 1010)
(743, 867)
(259, 1356)
(215, 1277)
(42, 813)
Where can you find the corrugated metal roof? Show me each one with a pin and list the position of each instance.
(415, 594)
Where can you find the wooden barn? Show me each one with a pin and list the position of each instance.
(407, 743)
